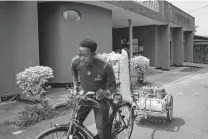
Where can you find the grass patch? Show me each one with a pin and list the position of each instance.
(32, 115)
(36, 113)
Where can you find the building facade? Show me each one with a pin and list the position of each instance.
(48, 34)
(200, 51)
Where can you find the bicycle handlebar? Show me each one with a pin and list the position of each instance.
(87, 98)
(91, 99)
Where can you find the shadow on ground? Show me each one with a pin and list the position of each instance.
(153, 71)
(191, 69)
(161, 124)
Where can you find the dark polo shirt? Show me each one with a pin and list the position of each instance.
(98, 75)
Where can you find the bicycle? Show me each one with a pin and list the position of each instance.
(76, 130)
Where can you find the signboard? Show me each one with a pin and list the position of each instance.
(125, 44)
(177, 17)
(150, 4)
(135, 46)
(141, 48)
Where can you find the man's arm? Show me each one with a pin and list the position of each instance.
(111, 79)
(74, 71)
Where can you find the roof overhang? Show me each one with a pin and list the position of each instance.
(172, 25)
(120, 16)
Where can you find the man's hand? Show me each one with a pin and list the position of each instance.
(76, 88)
(76, 91)
(72, 93)
(101, 94)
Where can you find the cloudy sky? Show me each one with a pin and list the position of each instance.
(198, 9)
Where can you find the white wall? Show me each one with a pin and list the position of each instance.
(59, 38)
(19, 42)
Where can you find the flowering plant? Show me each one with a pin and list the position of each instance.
(139, 63)
(32, 79)
(108, 57)
(103, 56)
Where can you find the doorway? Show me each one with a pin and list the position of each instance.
(171, 53)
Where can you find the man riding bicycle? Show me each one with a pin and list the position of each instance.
(98, 76)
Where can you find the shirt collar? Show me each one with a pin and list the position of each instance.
(92, 64)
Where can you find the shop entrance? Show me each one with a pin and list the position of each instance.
(137, 49)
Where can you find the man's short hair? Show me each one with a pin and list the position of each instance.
(89, 43)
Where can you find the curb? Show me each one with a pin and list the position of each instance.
(59, 105)
(183, 78)
(10, 98)
(27, 100)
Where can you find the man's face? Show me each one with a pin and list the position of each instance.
(85, 55)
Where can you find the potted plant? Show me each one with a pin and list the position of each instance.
(139, 64)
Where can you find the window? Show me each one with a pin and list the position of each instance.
(72, 15)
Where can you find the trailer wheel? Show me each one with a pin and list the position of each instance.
(170, 110)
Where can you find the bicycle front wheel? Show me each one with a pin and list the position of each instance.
(59, 133)
(122, 122)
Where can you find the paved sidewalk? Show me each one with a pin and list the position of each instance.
(58, 96)
(175, 74)
(11, 110)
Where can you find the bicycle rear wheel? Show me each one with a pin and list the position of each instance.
(122, 122)
(59, 133)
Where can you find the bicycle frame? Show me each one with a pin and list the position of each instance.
(74, 125)
(78, 126)
(83, 129)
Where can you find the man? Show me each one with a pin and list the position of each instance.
(95, 75)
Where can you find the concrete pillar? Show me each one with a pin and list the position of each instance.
(177, 46)
(162, 48)
(157, 47)
(19, 42)
(188, 46)
(130, 38)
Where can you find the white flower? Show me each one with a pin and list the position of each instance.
(33, 78)
(139, 63)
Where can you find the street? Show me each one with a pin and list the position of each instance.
(189, 116)
(52, 53)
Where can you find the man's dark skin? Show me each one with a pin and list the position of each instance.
(97, 76)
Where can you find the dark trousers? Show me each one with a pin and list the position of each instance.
(101, 118)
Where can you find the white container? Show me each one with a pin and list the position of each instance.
(151, 104)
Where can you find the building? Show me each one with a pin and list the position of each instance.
(200, 50)
(48, 33)
(200, 38)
